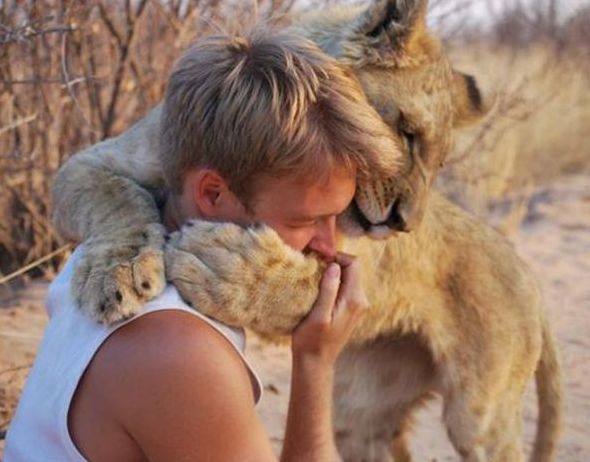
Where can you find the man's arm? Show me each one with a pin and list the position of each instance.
(169, 387)
(317, 343)
(177, 388)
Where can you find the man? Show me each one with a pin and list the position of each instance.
(263, 128)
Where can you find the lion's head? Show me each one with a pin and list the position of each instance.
(409, 80)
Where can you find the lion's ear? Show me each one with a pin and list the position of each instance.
(469, 104)
(392, 23)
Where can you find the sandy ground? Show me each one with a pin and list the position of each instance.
(554, 239)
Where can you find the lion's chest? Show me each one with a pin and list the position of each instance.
(401, 287)
(380, 376)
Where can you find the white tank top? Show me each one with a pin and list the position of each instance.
(39, 429)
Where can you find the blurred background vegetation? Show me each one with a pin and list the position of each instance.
(74, 72)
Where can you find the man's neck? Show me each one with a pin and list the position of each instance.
(172, 215)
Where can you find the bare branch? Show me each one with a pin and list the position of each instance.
(124, 45)
(27, 32)
(110, 26)
(34, 264)
(69, 83)
(16, 123)
(49, 81)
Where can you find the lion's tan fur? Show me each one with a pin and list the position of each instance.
(472, 320)
(454, 310)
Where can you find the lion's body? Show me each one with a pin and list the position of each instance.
(454, 310)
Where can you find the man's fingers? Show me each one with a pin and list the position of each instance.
(329, 286)
(351, 278)
(352, 296)
(344, 259)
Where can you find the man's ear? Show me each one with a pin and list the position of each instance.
(208, 187)
(469, 104)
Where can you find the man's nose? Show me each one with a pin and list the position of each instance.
(324, 241)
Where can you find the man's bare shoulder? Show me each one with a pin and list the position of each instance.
(170, 347)
(161, 374)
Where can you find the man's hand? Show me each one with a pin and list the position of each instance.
(316, 344)
(322, 335)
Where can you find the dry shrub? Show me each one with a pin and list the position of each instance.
(576, 36)
(536, 132)
(537, 62)
(73, 73)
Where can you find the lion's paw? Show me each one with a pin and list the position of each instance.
(243, 277)
(118, 274)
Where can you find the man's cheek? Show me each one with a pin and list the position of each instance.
(297, 239)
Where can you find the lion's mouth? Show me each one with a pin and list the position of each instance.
(360, 217)
(393, 222)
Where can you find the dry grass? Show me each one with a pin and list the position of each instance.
(536, 133)
(73, 73)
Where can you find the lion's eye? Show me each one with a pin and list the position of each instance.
(407, 134)
(409, 140)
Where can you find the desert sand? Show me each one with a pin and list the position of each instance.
(554, 238)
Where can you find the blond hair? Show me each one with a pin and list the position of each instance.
(267, 103)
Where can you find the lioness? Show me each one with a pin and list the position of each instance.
(454, 310)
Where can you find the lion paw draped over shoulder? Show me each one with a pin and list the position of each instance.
(119, 272)
(244, 277)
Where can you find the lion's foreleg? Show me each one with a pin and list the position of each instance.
(99, 197)
(123, 265)
(377, 387)
(484, 427)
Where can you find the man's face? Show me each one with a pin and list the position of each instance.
(301, 211)
(304, 213)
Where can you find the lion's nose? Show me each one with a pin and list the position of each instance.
(395, 220)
